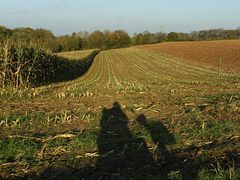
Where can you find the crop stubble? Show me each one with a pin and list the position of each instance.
(146, 82)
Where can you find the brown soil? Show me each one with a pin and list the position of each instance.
(205, 52)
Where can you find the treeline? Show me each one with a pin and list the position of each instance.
(205, 35)
(22, 66)
(41, 38)
(77, 41)
(107, 39)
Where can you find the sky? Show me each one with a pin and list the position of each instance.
(134, 16)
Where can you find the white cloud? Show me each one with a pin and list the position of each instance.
(57, 4)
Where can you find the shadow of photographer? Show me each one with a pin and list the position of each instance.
(161, 138)
(122, 154)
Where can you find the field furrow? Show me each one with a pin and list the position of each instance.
(125, 70)
(143, 66)
(129, 69)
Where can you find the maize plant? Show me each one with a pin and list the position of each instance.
(30, 66)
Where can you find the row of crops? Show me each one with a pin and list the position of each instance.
(134, 70)
(29, 66)
(143, 66)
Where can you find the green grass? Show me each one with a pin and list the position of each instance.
(195, 129)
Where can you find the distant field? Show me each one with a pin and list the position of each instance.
(76, 54)
(205, 53)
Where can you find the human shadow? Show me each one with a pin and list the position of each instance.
(161, 138)
(127, 155)
(169, 160)
(121, 153)
(124, 152)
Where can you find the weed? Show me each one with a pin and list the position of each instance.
(175, 175)
(219, 173)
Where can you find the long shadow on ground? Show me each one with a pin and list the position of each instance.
(126, 155)
(121, 154)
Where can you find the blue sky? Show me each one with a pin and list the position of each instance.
(68, 16)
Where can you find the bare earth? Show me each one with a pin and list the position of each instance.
(205, 52)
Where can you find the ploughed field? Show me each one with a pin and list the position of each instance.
(135, 114)
(206, 53)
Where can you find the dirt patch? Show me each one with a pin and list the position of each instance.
(205, 53)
